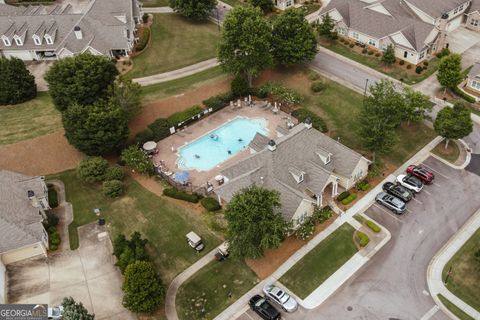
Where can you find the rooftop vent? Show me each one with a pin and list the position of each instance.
(308, 123)
(272, 145)
(78, 32)
(30, 194)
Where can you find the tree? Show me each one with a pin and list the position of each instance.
(194, 9)
(326, 28)
(97, 129)
(142, 287)
(129, 251)
(80, 80)
(245, 44)
(416, 104)
(17, 85)
(450, 71)
(293, 39)
(453, 123)
(75, 310)
(92, 169)
(265, 5)
(239, 86)
(389, 55)
(135, 158)
(254, 222)
(114, 173)
(126, 94)
(112, 188)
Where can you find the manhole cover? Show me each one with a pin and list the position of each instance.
(349, 308)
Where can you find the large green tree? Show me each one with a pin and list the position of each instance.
(194, 9)
(96, 129)
(129, 251)
(80, 80)
(136, 159)
(126, 94)
(17, 85)
(254, 222)
(92, 169)
(245, 44)
(293, 39)
(450, 71)
(142, 287)
(265, 5)
(416, 104)
(388, 56)
(73, 310)
(453, 123)
(326, 27)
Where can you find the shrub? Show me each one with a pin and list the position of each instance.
(362, 185)
(144, 136)
(378, 54)
(219, 101)
(425, 63)
(174, 193)
(370, 52)
(409, 66)
(239, 86)
(419, 69)
(402, 62)
(92, 169)
(443, 53)
(112, 188)
(351, 45)
(17, 84)
(182, 116)
(285, 94)
(114, 173)
(51, 221)
(52, 197)
(210, 204)
(129, 251)
(364, 50)
(160, 129)
(320, 215)
(53, 238)
(318, 123)
(317, 86)
(349, 199)
(463, 95)
(262, 92)
(142, 43)
(373, 226)
(135, 158)
(362, 238)
(305, 230)
(343, 195)
(145, 18)
(313, 76)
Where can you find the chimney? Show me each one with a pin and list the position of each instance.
(442, 28)
(30, 194)
(271, 145)
(308, 123)
(78, 32)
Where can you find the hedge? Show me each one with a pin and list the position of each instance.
(349, 199)
(173, 193)
(210, 204)
(182, 116)
(142, 43)
(343, 195)
(463, 95)
(219, 101)
(363, 239)
(318, 123)
(144, 136)
(160, 129)
(373, 226)
(52, 197)
(362, 185)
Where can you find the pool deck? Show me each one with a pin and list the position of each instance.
(212, 122)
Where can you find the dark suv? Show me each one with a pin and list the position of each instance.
(398, 191)
(263, 308)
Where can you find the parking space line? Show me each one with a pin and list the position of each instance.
(430, 313)
(417, 200)
(436, 184)
(249, 315)
(427, 192)
(446, 177)
(409, 210)
(388, 212)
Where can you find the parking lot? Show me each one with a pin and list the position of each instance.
(396, 276)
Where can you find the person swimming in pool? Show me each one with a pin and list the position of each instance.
(229, 152)
(240, 140)
(197, 156)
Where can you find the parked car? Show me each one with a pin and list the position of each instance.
(55, 312)
(279, 296)
(421, 173)
(398, 191)
(195, 241)
(391, 202)
(263, 308)
(410, 182)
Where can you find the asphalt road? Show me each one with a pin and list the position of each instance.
(392, 286)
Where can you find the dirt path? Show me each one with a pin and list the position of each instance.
(43, 155)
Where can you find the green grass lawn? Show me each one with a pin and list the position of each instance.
(155, 3)
(454, 309)
(234, 3)
(395, 71)
(176, 43)
(28, 120)
(320, 263)
(464, 281)
(339, 106)
(174, 87)
(450, 154)
(209, 289)
(163, 223)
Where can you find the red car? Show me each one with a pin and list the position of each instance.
(421, 173)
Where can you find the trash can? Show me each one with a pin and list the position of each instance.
(101, 222)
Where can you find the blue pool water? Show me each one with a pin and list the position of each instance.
(212, 149)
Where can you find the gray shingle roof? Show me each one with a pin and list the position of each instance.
(435, 8)
(474, 6)
(475, 71)
(295, 153)
(20, 221)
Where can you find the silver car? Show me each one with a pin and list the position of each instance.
(280, 297)
(391, 202)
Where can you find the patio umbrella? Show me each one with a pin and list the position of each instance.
(182, 176)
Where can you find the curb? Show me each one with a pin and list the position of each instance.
(460, 167)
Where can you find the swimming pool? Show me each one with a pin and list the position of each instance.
(220, 144)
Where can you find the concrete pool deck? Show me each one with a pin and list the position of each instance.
(208, 124)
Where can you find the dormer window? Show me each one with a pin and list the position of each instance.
(6, 41)
(324, 155)
(297, 174)
(48, 39)
(18, 41)
(37, 41)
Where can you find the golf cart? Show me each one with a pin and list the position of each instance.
(195, 241)
(222, 252)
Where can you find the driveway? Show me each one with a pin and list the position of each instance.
(462, 39)
(38, 70)
(86, 274)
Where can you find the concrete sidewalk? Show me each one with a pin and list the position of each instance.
(179, 73)
(158, 10)
(435, 269)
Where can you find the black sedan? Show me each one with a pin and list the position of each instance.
(263, 308)
(398, 191)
